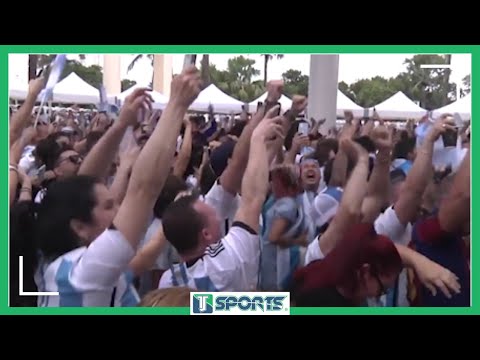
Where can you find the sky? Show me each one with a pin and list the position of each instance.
(352, 67)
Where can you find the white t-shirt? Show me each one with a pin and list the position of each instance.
(229, 265)
(224, 203)
(93, 276)
(313, 252)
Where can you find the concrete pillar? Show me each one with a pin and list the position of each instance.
(162, 73)
(322, 89)
(111, 74)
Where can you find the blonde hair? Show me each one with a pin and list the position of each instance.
(175, 296)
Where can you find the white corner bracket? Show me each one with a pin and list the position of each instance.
(30, 293)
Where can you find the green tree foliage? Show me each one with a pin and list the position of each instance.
(266, 59)
(466, 86)
(430, 87)
(90, 74)
(127, 84)
(237, 80)
(295, 83)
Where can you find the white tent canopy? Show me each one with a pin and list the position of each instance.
(345, 104)
(221, 102)
(399, 106)
(73, 89)
(160, 100)
(284, 101)
(463, 107)
(18, 92)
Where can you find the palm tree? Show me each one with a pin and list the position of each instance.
(205, 70)
(137, 58)
(32, 66)
(267, 58)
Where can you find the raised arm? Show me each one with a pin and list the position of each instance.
(120, 183)
(21, 118)
(231, 178)
(379, 182)
(147, 255)
(98, 161)
(419, 175)
(340, 163)
(255, 179)
(185, 152)
(349, 211)
(153, 164)
(455, 208)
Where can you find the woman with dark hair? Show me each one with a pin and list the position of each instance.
(87, 243)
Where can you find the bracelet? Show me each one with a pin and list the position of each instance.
(13, 168)
(24, 189)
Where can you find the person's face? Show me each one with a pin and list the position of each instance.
(102, 215)
(211, 233)
(63, 140)
(42, 131)
(395, 191)
(310, 174)
(372, 285)
(68, 164)
(142, 134)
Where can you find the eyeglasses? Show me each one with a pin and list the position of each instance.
(74, 159)
(383, 290)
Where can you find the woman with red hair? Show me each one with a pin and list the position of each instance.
(350, 262)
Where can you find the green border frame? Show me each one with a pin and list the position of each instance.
(474, 50)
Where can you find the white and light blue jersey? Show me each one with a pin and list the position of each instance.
(228, 265)
(93, 276)
(278, 263)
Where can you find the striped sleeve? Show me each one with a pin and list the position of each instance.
(103, 262)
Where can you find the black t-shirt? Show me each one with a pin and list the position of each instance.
(325, 297)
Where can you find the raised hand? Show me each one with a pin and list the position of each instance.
(299, 141)
(274, 90)
(35, 86)
(299, 104)
(382, 138)
(443, 123)
(354, 150)
(136, 101)
(186, 87)
(270, 127)
(348, 115)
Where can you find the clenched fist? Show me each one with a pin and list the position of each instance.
(186, 87)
